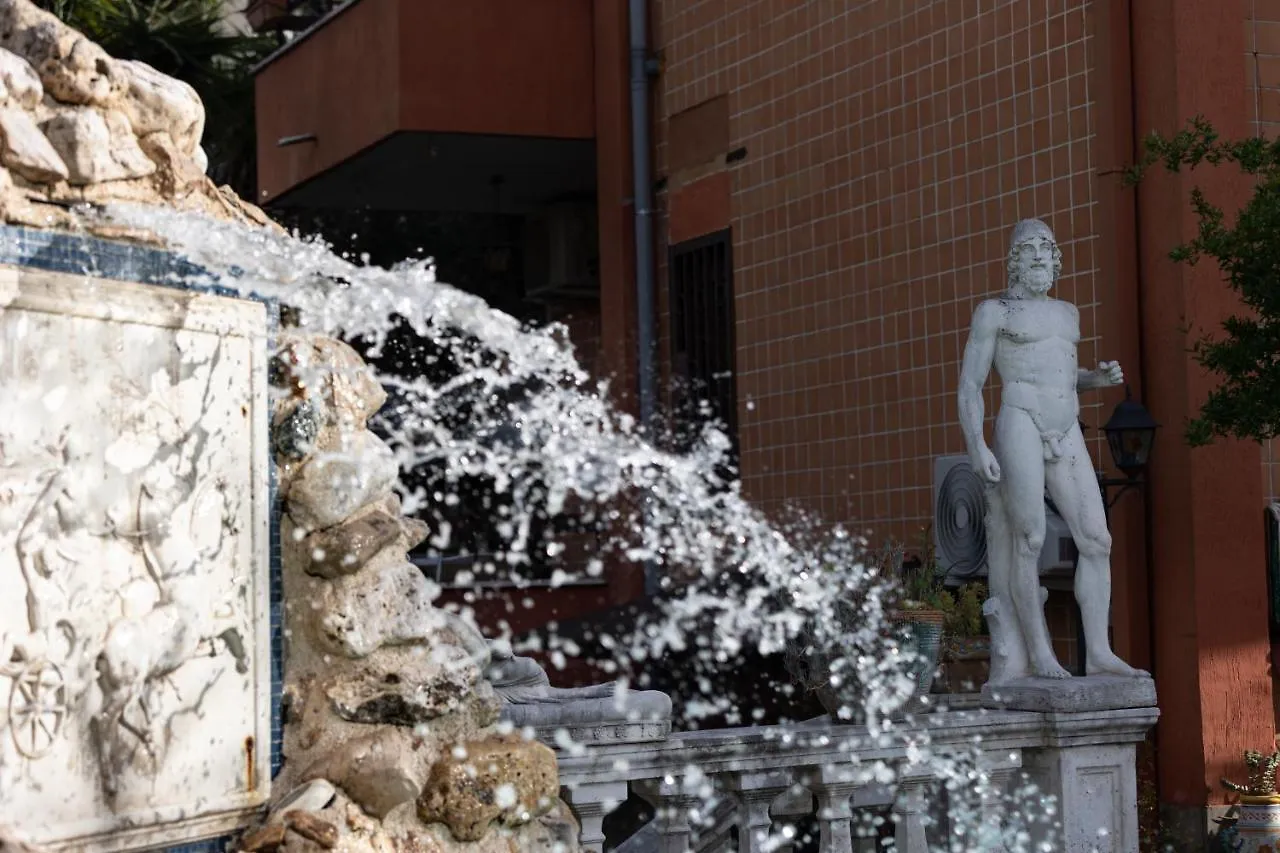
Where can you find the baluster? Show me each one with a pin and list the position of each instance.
(998, 768)
(756, 794)
(909, 812)
(835, 815)
(872, 798)
(591, 804)
(672, 801)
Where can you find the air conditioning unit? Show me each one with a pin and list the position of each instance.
(959, 531)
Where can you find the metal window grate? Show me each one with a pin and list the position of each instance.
(702, 337)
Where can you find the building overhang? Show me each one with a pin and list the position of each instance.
(465, 173)
(430, 104)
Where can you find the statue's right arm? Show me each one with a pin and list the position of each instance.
(979, 353)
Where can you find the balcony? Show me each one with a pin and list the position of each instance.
(425, 104)
(718, 790)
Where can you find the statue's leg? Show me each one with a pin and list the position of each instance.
(1073, 485)
(1008, 648)
(1020, 451)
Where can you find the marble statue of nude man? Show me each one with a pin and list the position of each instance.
(1031, 339)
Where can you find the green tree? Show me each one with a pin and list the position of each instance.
(1245, 356)
(189, 40)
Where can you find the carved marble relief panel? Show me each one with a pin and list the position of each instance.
(134, 638)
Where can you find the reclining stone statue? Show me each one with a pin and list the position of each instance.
(529, 699)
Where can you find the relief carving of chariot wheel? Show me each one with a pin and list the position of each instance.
(37, 707)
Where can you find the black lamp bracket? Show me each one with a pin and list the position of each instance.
(1120, 484)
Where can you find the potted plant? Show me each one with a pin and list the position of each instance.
(1258, 826)
(966, 648)
(921, 610)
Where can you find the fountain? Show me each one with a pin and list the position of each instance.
(222, 637)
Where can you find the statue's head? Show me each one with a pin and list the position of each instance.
(1035, 261)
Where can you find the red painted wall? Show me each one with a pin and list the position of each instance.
(521, 67)
(341, 83)
(1212, 667)
(515, 67)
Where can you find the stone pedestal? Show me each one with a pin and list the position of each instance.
(1089, 759)
(1071, 695)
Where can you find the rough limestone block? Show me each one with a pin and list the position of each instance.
(331, 487)
(97, 147)
(21, 83)
(403, 687)
(345, 549)
(507, 780)
(25, 149)
(387, 607)
(156, 103)
(73, 69)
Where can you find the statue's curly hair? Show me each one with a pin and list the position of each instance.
(1024, 231)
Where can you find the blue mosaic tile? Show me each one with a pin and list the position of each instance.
(86, 255)
(220, 844)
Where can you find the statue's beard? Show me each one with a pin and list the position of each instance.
(1037, 281)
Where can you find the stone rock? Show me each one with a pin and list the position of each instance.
(378, 771)
(72, 69)
(380, 786)
(97, 148)
(312, 828)
(404, 687)
(316, 364)
(505, 779)
(295, 436)
(266, 838)
(21, 85)
(312, 796)
(333, 486)
(156, 103)
(388, 607)
(25, 149)
(176, 174)
(416, 532)
(346, 548)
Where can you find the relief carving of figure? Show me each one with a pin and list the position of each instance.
(114, 536)
(1031, 339)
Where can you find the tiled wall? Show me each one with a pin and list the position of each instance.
(890, 147)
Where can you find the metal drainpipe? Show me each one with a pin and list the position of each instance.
(642, 68)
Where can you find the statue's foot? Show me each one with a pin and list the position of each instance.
(1107, 663)
(1046, 666)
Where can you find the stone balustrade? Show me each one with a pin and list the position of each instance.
(771, 775)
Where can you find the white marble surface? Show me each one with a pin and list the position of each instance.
(134, 638)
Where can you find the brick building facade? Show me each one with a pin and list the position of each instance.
(842, 177)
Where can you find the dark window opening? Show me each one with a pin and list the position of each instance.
(702, 341)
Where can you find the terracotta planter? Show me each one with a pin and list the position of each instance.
(1258, 827)
(924, 637)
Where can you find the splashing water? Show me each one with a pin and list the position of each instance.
(744, 583)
